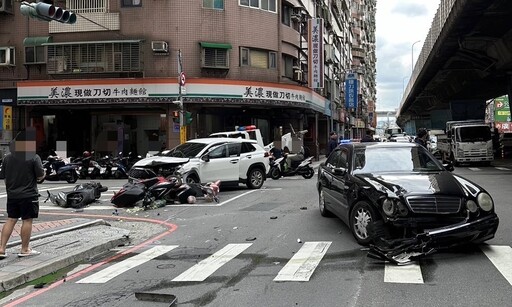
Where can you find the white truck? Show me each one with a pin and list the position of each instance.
(243, 132)
(467, 141)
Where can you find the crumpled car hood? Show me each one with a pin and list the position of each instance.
(420, 183)
(159, 160)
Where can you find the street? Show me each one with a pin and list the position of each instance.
(271, 247)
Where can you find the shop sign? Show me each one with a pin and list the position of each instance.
(7, 118)
(316, 53)
(502, 109)
(267, 93)
(78, 92)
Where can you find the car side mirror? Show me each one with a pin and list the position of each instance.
(340, 171)
(449, 166)
(206, 158)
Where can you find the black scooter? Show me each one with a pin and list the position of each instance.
(57, 169)
(81, 195)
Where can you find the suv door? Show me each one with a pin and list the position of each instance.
(248, 156)
(220, 166)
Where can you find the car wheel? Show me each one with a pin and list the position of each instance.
(192, 179)
(321, 204)
(309, 173)
(361, 216)
(255, 178)
(72, 178)
(275, 173)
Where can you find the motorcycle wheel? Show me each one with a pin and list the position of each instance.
(75, 200)
(309, 173)
(72, 178)
(275, 173)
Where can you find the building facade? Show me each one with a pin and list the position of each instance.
(114, 80)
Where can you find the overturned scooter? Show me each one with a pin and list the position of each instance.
(81, 195)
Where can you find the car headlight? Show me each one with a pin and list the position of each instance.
(402, 209)
(471, 206)
(485, 201)
(389, 208)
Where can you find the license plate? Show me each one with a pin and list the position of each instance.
(114, 168)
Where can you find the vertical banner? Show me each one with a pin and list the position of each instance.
(502, 117)
(7, 118)
(351, 90)
(316, 52)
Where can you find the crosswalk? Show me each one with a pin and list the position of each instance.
(299, 268)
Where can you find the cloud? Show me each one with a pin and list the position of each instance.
(399, 25)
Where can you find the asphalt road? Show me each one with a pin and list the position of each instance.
(241, 253)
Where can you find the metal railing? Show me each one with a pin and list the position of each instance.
(87, 6)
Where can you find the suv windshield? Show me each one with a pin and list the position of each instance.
(185, 150)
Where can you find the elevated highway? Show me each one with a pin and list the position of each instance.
(466, 59)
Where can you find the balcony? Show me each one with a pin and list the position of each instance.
(92, 15)
(123, 56)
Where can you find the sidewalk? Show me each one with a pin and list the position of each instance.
(62, 243)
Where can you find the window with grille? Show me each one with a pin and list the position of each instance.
(132, 2)
(87, 6)
(100, 57)
(266, 5)
(215, 58)
(213, 4)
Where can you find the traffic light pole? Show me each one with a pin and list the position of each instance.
(180, 84)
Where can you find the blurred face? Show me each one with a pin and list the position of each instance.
(25, 146)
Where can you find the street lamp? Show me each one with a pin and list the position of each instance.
(412, 56)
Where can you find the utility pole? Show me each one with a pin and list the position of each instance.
(181, 107)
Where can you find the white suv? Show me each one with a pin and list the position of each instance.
(232, 161)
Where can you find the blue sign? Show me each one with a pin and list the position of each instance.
(351, 93)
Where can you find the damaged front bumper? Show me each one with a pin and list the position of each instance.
(404, 251)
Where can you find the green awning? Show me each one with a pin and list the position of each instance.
(215, 45)
(37, 40)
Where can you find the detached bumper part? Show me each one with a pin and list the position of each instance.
(405, 251)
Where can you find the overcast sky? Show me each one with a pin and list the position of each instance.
(400, 23)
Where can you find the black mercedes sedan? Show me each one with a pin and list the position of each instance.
(389, 191)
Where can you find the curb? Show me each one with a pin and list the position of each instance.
(59, 231)
(53, 264)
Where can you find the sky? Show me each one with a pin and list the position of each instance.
(399, 24)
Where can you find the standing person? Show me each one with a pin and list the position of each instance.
(422, 137)
(368, 137)
(333, 142)
(20, 169)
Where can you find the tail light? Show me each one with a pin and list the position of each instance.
(266, 154)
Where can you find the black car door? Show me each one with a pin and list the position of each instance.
(331, 181)
(338, 183)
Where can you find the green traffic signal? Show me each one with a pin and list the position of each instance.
(188, 118)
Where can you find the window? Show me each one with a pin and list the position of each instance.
(289, 63)
(266, 5)
(132, 2)
(258, 58)
(7, 56)
(34, 55)
(215, 55)
(286, 15)
(219, 152)
(97, 6)
(213, 4)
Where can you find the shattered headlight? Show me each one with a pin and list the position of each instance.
(485, 201)
(388, 207)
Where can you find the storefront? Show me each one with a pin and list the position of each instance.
(136, 115)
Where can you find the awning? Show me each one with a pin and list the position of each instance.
(295, 3)
(37, 40)
(215, 45)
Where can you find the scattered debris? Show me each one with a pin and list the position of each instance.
(273, 217)
(303, 208)
(78, 210)
(157, 297)
(115, 212)
(39, 286)
(250, 239)
(299, 240)
(235, 228)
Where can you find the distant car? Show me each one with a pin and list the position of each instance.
(400, 191)
(401, 138)
(232, 161)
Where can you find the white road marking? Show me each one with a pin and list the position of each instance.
(117, 269)
(502, 168)
(208, 266)
(501, 257)
(41, 191)
(474, 169)
(93, 207)
(406, 274)
(304, 262)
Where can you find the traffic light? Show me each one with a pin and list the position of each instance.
(188, 118)
(176, 116)
(47, 12)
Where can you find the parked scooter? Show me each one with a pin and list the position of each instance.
(57, 169)
(81, 195)
(303, 168)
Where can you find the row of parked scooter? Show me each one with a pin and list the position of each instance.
(72, 169)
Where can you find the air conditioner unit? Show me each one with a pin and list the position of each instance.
(6, 6)
(159, 47)
(329, 53)
(7, 56)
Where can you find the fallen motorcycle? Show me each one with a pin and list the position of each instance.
(81, 196)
